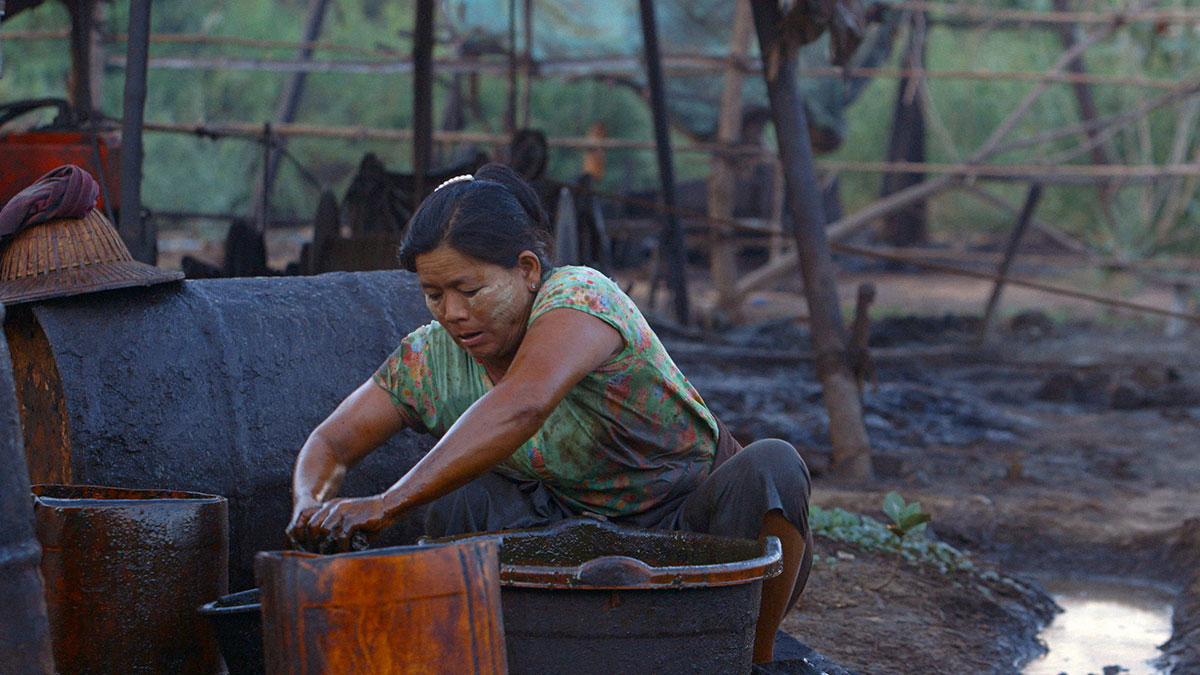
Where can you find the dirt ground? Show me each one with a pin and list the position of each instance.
(1066, 445)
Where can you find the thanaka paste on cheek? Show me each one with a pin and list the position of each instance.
(500, 303)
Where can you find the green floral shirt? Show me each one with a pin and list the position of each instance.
(631, 434)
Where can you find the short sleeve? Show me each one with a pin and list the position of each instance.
(587, 290)
(403, 376)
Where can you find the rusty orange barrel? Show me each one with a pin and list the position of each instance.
(125, 571)
(402, 610)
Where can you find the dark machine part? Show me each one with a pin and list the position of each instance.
(608, 599)
(125, 571)
(236, 620)
(24, 631)
(413, 609)
(212, 386)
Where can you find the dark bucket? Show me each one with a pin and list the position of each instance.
(609, 600)
(125, 571)
(236, 619)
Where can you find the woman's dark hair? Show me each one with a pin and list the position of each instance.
(494, 217)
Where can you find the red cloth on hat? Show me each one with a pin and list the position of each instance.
(66, 192)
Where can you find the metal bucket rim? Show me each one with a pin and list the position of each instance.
(114, 495)
(332, 557)
(763, 566)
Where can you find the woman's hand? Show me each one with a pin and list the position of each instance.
(360, 424)
(297, 529)
(332, 527)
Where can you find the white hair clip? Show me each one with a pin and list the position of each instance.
(456, 179)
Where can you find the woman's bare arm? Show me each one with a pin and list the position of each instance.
(558, 350)
(359, 425)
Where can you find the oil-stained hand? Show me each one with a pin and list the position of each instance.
(333, 527)
(297, 529)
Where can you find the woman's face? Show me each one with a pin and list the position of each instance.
(483, 306)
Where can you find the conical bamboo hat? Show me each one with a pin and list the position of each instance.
(71, 256)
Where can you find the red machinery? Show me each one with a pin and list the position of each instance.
(27, 155)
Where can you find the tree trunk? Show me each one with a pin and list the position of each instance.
(851, 452)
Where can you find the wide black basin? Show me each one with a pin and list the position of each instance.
(589, 597)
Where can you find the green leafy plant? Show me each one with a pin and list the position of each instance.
(899, 538)
(906, 518)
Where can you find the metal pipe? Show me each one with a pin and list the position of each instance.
(140, 235)
(671, 238)
(422, 96)
(24, 629)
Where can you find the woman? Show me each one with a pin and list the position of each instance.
(550, 396)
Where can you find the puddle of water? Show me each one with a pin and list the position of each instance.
(1104, 624)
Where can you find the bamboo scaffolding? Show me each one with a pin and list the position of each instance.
(626, 66)
(1074, 173)
(217, 40)
(927, 259)
(1033, 16)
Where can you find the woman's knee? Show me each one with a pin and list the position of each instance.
(776, 460)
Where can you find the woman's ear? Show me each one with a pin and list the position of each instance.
(530, 266)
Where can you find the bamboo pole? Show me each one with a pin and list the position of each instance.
(1032, 16)
(285, 112)
(878, 254)
(722, 180)
(1046, 173)
(1010, 254)
(625, 66)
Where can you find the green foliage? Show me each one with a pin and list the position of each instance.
(906, 518)
(873, 535)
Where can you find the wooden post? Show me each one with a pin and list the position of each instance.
(1083, 92)
(722, 181)
(671, 240)
(422, 96)
(851, 453)
(286, 104)
(1014, 242)
(510, 110)
(907, 226)
(86, 78)
(527, 64)
(139, 234)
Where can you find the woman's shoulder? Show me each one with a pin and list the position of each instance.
(581, 288)
(578, 275)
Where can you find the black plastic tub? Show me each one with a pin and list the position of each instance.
(237, 622)
(589, 597)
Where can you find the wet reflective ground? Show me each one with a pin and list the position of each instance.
(1105, 624)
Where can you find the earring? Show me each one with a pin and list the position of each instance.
(533, 287)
